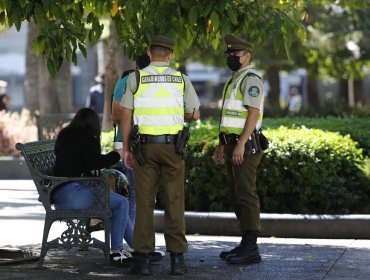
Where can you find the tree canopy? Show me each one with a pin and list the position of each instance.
(68, 26)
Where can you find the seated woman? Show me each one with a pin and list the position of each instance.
(78, 153)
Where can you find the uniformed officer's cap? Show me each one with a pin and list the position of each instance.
(234, 43)
(163, 41)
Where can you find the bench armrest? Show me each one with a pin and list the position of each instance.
(98, 185)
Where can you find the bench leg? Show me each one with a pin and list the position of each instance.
(44, 247)
(107, 240)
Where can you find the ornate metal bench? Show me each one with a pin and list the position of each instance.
(40, 159)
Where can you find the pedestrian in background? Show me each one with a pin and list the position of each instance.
(95, 99)
(241, 117)
(4, 98)
(158, 102)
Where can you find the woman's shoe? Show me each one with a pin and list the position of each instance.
(121, 258)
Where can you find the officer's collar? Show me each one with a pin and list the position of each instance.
(242, 70)
(159, 63)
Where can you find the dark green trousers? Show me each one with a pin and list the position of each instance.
(241, 179)
(165, 168)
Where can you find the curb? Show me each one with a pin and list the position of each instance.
(276, 225)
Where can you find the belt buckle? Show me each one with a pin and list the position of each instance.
(168, 139)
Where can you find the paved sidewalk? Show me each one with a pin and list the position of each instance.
(21, 224)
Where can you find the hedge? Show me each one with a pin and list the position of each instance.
(305, 170)
(358, 128)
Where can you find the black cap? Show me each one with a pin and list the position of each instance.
(163, 41)
(234, 43)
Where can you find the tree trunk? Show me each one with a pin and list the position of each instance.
(312, 93)
(343, 93)
(359, 92)
(48, 103)
(55, 94)
(273, 100)
(31, 99)
(42, 92)
(111, 77)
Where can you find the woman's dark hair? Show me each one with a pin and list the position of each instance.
(143, 61)
(87, 118)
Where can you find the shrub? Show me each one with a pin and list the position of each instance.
(312, 171)
(15, 127)
(358, 128)
(304, 171)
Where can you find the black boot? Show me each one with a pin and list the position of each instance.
(178, 266)
(247, 251)
(236, 250)
(142, 266)
(225, 254)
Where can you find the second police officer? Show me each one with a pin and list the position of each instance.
(239, 149)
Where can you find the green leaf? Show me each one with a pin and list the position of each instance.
(225, 27)
(38, 46)
(51, 67)
(39, 16)
(4, 5)
(232, 15)
(90, 17)
(68, 52)
(18, 24)
(193, 15)
(22, 3)
(215, 43)
(221, 5)
(189, 38)
(82, 49)
(90, 36)
(58, 63)
(215, 20)
(74, 57)
(2, 17)
(206, 9)
(55, 10)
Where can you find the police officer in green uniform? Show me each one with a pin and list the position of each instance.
(158, 101)
(241, 116)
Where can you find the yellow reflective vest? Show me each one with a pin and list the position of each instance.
(233, 113)
(159, 101)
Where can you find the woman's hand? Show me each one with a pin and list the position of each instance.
(129, 159)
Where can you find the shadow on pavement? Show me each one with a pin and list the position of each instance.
(279, 261)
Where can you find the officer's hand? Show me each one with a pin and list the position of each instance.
(129, 160)
(238, 153)
(218, 155)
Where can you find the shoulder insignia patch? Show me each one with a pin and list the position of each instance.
(254, 91)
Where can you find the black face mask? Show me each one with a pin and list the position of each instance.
(233, 62)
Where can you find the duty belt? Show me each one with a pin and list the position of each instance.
(226, 139)
(158, 139)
